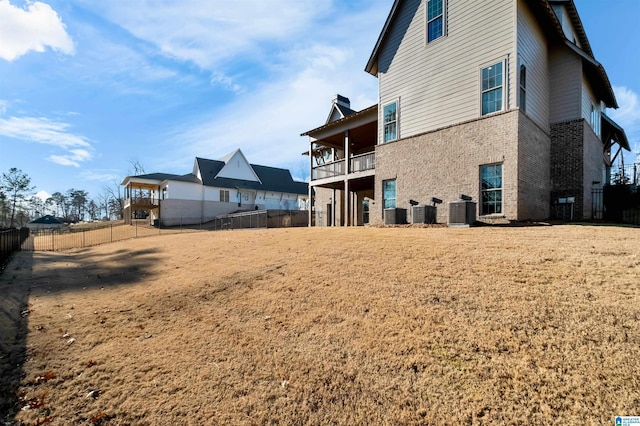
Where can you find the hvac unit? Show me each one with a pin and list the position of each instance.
(462, 213)
(423, 214)
(396, 216)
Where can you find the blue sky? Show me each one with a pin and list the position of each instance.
(88, 86)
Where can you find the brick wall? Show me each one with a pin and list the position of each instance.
(534, 174)
(567, 167)
(446, 163)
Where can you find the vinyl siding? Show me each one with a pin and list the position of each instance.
(565, 70)
(532, 50)
(438, 84)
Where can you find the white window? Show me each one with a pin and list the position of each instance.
(492, 84)
(224, 196)
(523, 88)
(435, 19)
(389, 193)
(595, 120)
(491, 188)
(390, 120)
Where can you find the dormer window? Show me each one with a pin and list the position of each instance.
(435, 19)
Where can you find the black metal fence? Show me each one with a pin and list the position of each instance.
(94, 234)
(11, 240)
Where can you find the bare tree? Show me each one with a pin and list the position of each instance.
(116, 204)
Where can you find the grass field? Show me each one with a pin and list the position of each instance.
(515, 326)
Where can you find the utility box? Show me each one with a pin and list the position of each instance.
(423, 214)
(396, 216)
(462, 213)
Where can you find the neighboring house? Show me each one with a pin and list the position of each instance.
(499, 100)
(45, 222)
(213, 188)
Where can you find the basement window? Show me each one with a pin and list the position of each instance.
(491, 180)
(389, 193)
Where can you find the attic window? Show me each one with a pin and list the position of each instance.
(435, 19)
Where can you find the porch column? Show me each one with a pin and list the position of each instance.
(311, 201)
(347, 168)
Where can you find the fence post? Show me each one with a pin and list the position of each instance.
(53, 240)
(83, 231)
(136, 229)
(111, 232)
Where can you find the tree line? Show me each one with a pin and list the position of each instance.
(19, 205)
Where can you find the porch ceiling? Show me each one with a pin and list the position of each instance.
(361, 138)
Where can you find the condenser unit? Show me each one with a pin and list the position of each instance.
(462, 213)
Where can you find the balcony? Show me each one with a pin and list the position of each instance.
(357, 163)
(140, 203)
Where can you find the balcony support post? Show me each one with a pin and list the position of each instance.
(347, 169)
(311, 200)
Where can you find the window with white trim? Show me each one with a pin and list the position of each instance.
(390, 121)
(492, 84)
(491, 193)
(523, 88)
(435, 19)
(224, 196)
(595, 120)
(389, 193)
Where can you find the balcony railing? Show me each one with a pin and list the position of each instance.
(357, 163)
(363, 162)
(332, 169)
(141, 202)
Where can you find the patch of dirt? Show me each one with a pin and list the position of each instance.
(536, 325)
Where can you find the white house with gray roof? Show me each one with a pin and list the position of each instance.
(214, 188)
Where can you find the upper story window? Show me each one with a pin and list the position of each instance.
(435, 19)
(224, 196)
(390, 120)
(491, 180)
(389, 193)
(595, 120)
(523, 88)
(492, 83)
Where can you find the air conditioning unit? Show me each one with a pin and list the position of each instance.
(423, 214)
(462, 213)
(396, 216)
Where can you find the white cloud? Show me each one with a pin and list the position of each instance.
(628, 115)
(74, 158)
(34, 28)
(207, 33)
(101, 175)
(41, 130)
(48, 132)
(43, 195)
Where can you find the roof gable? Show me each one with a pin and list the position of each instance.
(236, 166)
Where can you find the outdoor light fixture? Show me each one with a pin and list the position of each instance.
(435, 201)
(465, 197)
(413, 202)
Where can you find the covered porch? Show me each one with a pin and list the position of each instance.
(342, 169)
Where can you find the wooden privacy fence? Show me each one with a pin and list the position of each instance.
(10, 241)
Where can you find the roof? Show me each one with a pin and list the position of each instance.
(271, 178)
(164, 176)
(595, 71)
(611, 130)
(350, 117)
(48, 220)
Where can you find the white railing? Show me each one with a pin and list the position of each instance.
(362, 162)
(335, 168)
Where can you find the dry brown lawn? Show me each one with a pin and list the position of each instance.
(515, 326)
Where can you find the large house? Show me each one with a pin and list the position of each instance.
(501, 101)
(214, 188)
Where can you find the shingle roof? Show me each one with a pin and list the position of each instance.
(48, 220)
(272, 178)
